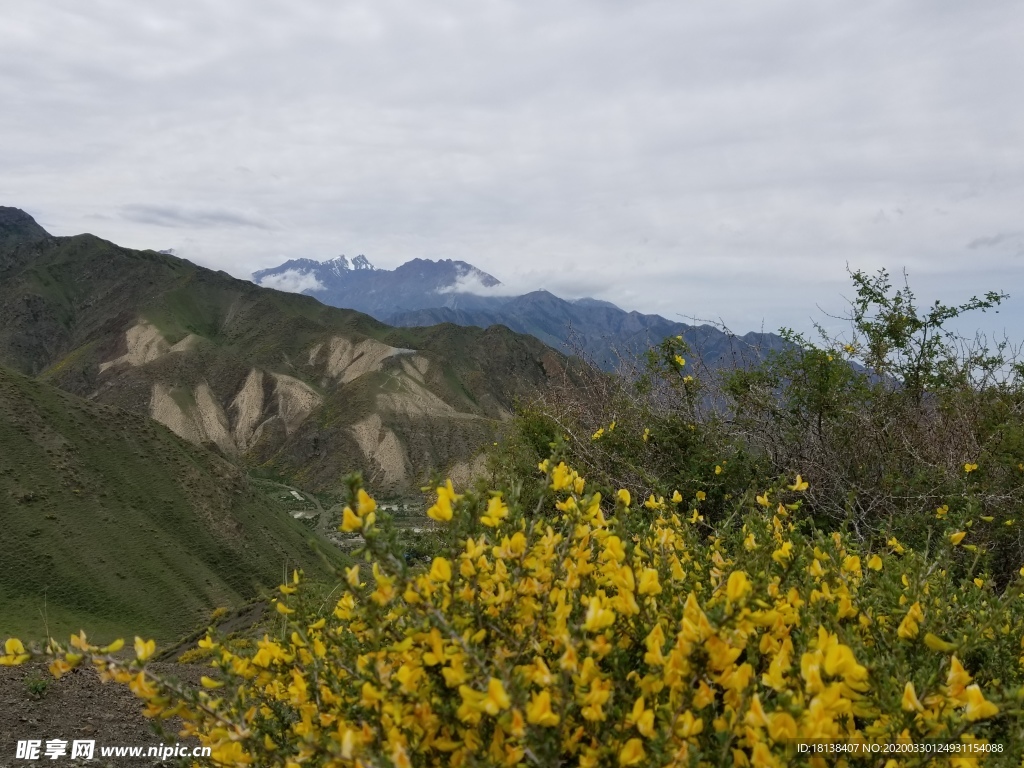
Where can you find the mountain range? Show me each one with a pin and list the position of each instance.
(381, 293)
(422, 292)
(158, 418)
(153, 411)
(276, 380)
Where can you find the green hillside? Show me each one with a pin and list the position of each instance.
(276, 381)
(110, 521)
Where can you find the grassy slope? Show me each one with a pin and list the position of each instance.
(111, 521)
(65, 304)
(91, 289)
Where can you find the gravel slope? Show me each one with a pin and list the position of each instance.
(79, 706)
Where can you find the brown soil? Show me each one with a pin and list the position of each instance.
(79, 706)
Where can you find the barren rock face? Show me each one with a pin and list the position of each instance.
(382, 448)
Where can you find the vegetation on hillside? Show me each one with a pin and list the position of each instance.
(680, 569)
(889, 422)
(276, 380)
(113, 522)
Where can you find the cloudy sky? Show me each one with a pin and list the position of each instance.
(714, 160)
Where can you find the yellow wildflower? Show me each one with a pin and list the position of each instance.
(782, 726)
(497, 699)
(14, 653)
(145, 648)
(910, 625)
(352, 577)
(441, 570)
(442, 508)
(633, 752)
(365, 505)
(686, 725)
(562, 477)
(738, 586)
(230, 753)
(538, 711)
(349, 520)
(641, 718)
(799, 484)
(496, 512)
(703, 697)
(910, 701)
(649, 584)
(936, 643)
(783, 553)
(598, 616)
(978, 708)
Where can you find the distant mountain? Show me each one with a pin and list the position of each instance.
(269, 379)
(424, 293)
(113, 522)
(417, 284)
(603, 333)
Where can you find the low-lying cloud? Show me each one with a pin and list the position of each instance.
(473, 283)
(293, 281)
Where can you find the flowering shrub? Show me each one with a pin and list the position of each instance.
(610, 631)
(888, 420)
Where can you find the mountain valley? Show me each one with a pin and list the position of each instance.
(160, 424)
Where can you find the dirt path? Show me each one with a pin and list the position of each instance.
(78, 706)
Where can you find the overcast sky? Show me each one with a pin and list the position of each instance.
(718, 160)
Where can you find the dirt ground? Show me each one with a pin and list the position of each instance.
(78, 706)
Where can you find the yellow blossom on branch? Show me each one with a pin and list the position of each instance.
(442, 508)
(799, 484)
(577, 631)
(909, 627)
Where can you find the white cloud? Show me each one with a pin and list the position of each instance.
(293, 281)
(671, 157)
(472, 282)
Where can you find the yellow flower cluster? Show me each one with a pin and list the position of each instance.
(604, 634)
